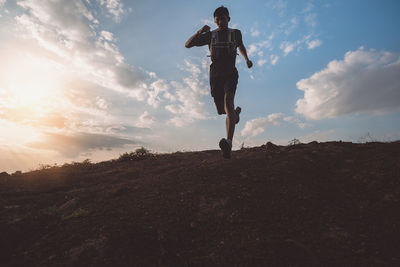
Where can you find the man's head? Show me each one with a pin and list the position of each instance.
(221, 17)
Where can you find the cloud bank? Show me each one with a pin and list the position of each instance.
(365, 81)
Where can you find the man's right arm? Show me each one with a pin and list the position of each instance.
(189, 42)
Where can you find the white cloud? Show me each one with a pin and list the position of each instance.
(274, 59)
(287, 47)
(145, 120)
(2, 2)
(261, 62)
(101, 103)
(296, 121)
(158, 87)
(255, 47)
(107, 35)
(279, 6)
(189, 106)
(364, 81)
(293, 24)
(252, 49)
(257, 126)
(265, 44)
(114, 7)
(67, 19)
(311, 19)
(313, 44)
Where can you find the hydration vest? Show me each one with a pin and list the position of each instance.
(223, 49)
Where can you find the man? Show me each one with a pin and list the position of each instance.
(224, 76)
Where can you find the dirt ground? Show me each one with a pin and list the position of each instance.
(316, 204)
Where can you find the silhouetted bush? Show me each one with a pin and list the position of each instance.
(243, 147)
(79, 166)
(17, 173)
(295, 141)
(368, 138)
(4, 174)
(139, 154)
(47, 166)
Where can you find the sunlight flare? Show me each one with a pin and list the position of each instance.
(31, 81)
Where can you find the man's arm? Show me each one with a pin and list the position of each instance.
(189, 42)
(243, 51)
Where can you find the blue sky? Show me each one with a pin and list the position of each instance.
(96, 78)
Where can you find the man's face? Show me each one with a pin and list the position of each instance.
(221, 21)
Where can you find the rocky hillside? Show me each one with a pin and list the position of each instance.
(316, 204)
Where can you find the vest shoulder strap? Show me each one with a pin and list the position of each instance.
(214, 36)
(232, 36)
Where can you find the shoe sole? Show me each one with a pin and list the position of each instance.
(225, 148)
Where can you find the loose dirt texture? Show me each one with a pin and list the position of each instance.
(316, 204)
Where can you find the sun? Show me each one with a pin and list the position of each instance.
(31, 80)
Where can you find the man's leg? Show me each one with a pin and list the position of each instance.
(230, 114)
(226, 144)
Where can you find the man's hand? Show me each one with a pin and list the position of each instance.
(189, 43)
(205, 28)
(249, 63)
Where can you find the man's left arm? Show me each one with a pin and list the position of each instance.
(243, 51)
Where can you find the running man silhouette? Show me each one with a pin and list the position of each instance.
(224, 76)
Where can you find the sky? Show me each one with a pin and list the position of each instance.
(92, 79)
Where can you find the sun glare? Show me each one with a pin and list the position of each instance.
(31, 81)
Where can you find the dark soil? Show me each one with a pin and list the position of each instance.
(316, 204)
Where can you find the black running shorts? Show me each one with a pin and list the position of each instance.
(221, 84)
